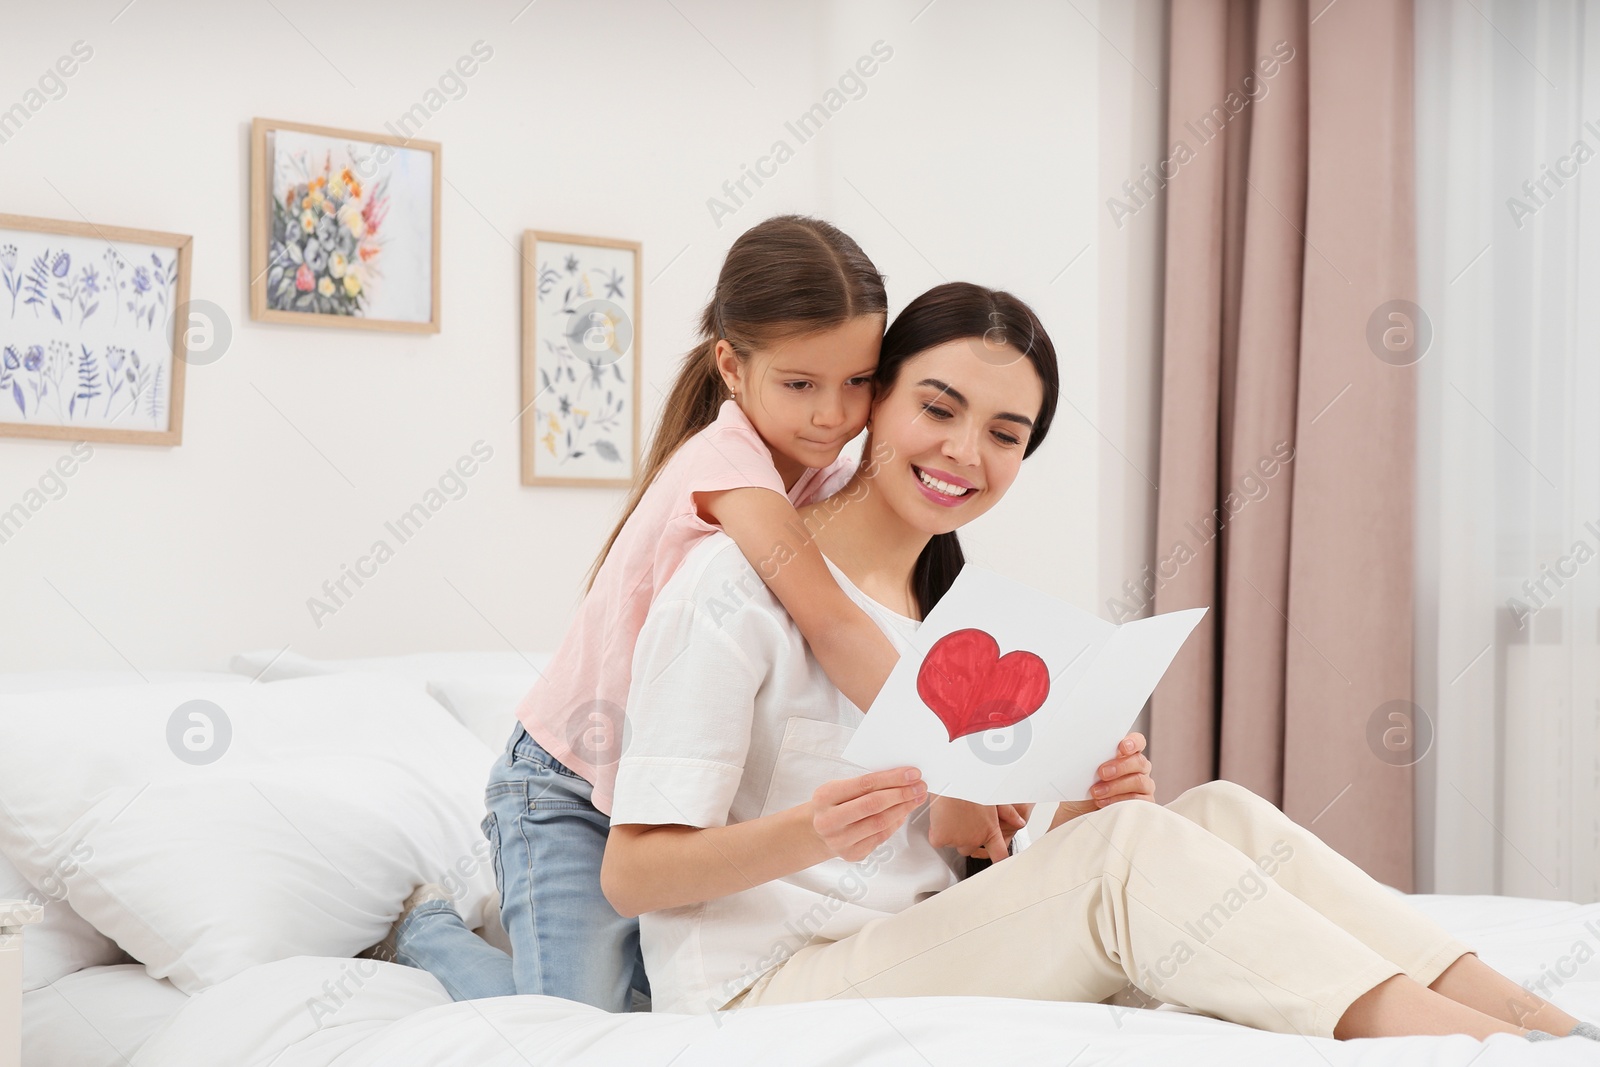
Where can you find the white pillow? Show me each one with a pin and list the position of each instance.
(278, 665)
(41, 681)
(486, 704)
(331, 800)
(481, 689)
(61, 942)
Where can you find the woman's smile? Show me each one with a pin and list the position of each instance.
(943, 488)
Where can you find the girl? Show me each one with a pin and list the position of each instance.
(763, 878)
(753, 426)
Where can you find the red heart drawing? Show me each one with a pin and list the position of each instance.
(971, 687)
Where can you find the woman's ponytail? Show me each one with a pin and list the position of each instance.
(936, 569)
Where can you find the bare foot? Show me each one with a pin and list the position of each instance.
(1474, 983)
(1400, 1007)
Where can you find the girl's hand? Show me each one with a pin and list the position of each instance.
(853, 816)
(1013, 817)
(1125, 777)
(982, 830)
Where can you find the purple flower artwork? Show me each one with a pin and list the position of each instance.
(86, 333)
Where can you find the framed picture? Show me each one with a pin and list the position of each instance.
(580, 360)
(91, 335)
(344, 228)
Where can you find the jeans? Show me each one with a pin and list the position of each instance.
(546, 840)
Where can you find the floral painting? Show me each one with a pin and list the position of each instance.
(326, 243)
(349, 232)
(580, 361)
(87, 330)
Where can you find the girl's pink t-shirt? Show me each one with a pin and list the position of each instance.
(575, 708)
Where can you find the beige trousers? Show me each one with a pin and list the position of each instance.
(1217, 902)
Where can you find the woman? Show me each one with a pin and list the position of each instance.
(765, 872)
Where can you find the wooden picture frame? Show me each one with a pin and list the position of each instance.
(581, 332)
(370, 210)
(79, 303)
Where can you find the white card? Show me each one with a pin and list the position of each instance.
(1064, 687)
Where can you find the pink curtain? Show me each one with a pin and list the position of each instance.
(1287, 443)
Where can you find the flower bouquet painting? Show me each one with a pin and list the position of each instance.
(345, 228)
(580, 360)
(324, 240)
(93, 321)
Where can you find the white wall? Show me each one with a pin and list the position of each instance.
(973, 159)
(973, 154)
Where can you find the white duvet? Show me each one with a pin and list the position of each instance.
(366, 769)
(323, 1012)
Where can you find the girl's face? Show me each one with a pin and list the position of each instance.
(948, 437)
(807, 396)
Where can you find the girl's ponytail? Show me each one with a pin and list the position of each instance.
(785, 277)
(696, 397)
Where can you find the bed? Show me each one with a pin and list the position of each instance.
(206, 907)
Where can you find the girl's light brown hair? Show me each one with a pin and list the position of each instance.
(786, 277)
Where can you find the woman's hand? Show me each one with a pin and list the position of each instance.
(1125, 777)
(853, 816)
(974, 830)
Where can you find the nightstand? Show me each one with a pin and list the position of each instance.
(14, 915)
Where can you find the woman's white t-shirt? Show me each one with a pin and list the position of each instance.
(730, 718)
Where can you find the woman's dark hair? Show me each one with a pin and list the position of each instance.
(788, 276)
(995, 321)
